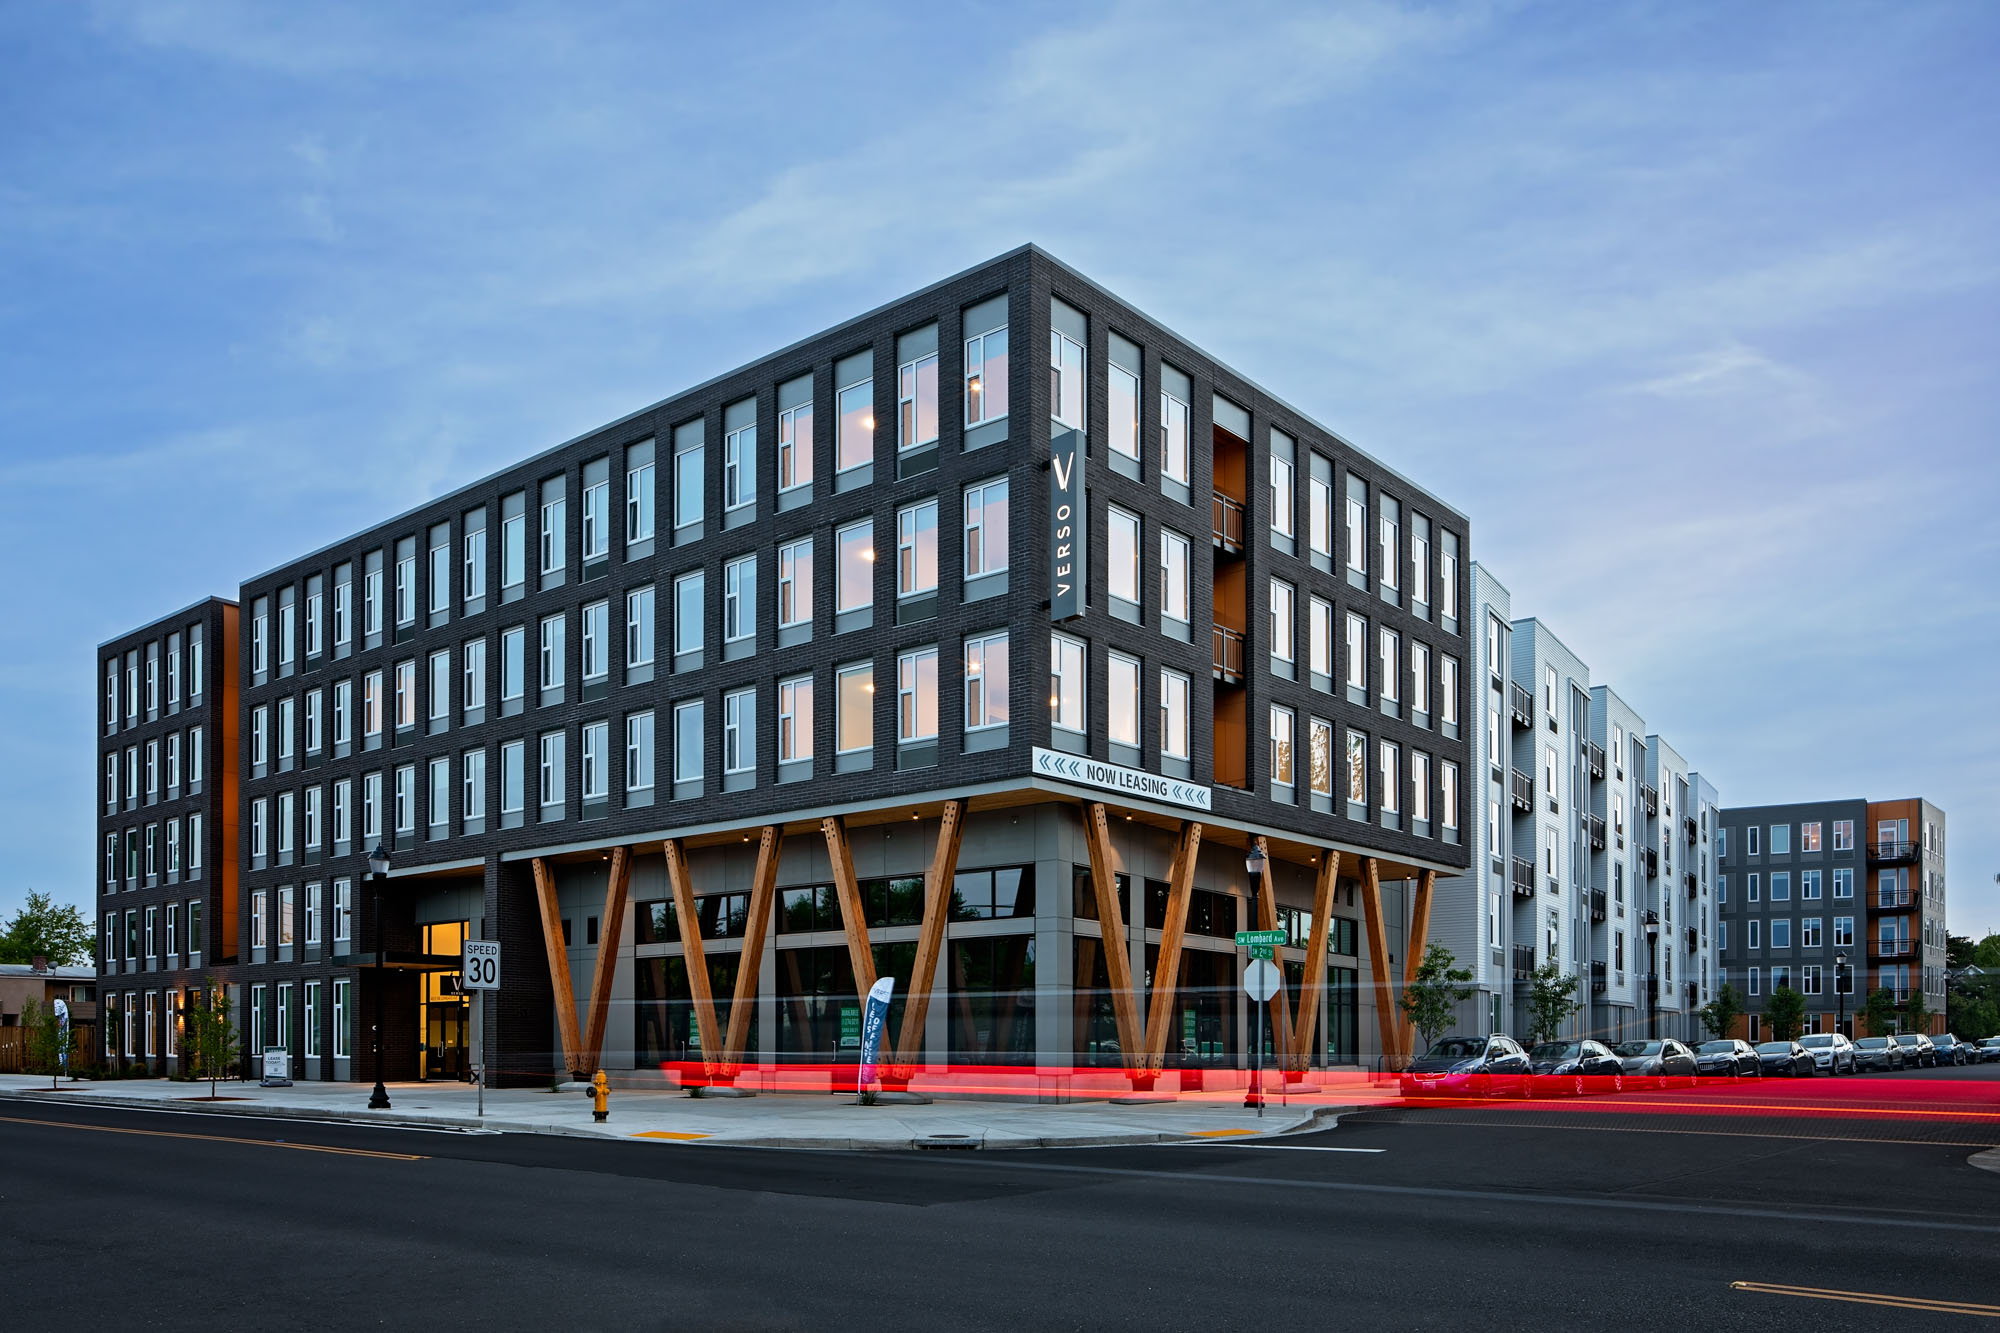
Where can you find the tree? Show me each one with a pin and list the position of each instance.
(1551, 1002)
(208, 1038)
(1439, 989)
(43, 929)
(1916, 1013)
(1720, 1013)
(1986, 953)
(1974, 1015)
(1958, 950)
(1786, 1013)
(49, 1039)
(1879, 1014)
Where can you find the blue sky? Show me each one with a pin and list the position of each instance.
(1691, 308)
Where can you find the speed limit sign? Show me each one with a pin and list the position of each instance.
(480, 968)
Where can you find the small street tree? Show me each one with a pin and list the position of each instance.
(1916, 1014)
(208, 1038)
(1786, 1013)
(1439, 988)
(1879, 1013)
(1720, 1013)
(1551, 1002)
(48, 1040)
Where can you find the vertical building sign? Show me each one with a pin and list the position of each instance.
(1066, 520)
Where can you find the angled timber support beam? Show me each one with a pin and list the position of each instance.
(1387, 1018)
(611, 928)
(763, 890)
(1413, 950)
(559, 982)
(853, 920)
(1281, 1008)
(694, 958)
(1117, 956)
(1312, 993)
(1166, 974)
(930, 940)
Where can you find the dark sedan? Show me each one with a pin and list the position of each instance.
(1787, 1058)
(1727, 1058)
(1879, 1053)
(1478, 1066)
(1656, 1062)
(1952, 1051)
(1576, 1067)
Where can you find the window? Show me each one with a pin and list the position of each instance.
(1751, 846)
(1781, 886)
(916, 695)
(639, 626)
(1066, 370)
(440, 685)
(1391, 673)
(315, 735)
(406, 581)
(986, 376)
(260, 651)
(596, 761)
(1121, 702)
(1809, 885)
(1391, 541)
(550, 773)
(986, 527)
(311, 814)
(1174, 434)
(310, 1048)
(440, 568)
(917, 402)
(639, 751)
(1448, 786)
(513, 756)
(1319, 758)
(1781, 933)
(795, 719)
(1174, 719)
(690, 467)
(855, 552)
(406, 694)
(473, 687)
(1753, 890)
(1319, 636)
(739, 599)
(554, 632)
(689, 598)
(1781, 839)
(739, 731)
(1066, 685)
(916, 549)
(795, 442)
(689, 726)
(1282, 489)
(739, 458)
(260, 920)
(1284, 618)
(260, 748)
(1809, 837)
(855, 706)
(1124, 411)
(513, 665)
(986, 681)
(1174, 567)
(174, 659)
(1809, 932)
(639, 489)
(371, 807)
(472, 768)
(1843, 882)
(438, 795)
(473, 569)
(406, 800)
(1420, 678)
(855, 445)
(1843, 835)
(555, 521)
(1357, 652)
(1357, 525)
(1753, 934)
(596, 509)
(596, 641)
(1357, 768)
(1843, 932)
(343, 1005)
(1281, 746)
(513, 541)
(795, 583)
(1448, 690)
(1448, 575)
(1121, 555)
(1420, 559)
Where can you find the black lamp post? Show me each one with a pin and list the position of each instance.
(1840, 994)
(378, 870)
(1256, 863)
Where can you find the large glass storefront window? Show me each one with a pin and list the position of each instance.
(993, 1000)
(666, 1028)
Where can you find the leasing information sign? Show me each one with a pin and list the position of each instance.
(1066, 563)
(1116, 777)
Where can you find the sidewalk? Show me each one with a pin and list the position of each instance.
(788, 1120)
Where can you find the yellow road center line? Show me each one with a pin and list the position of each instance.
(216, 1138)
(1871, 1298)
(1219, 1133)
(667, 1134)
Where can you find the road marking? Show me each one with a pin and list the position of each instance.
(218, 1138)
(1219, 1133)
(1787, 1108)
(1428, 1123)
(667, 1134)
(1871, 1298)
(1302, 1147)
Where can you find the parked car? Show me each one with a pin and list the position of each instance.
(1951, 1051)
(1727, 1058)
(1880, 1053)
(1474, 1066)
(1990, 1049)
(1831, 1051)
(1656, 1062)
(1917, 1049)
(1787, 1058)
(1576, 1067)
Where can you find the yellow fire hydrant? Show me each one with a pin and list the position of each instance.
(600, 1097)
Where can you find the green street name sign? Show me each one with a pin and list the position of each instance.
(1260, 937)
(1263, 951)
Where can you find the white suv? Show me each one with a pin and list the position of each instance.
(1831, 1052)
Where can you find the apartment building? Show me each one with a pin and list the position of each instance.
(1594, 845)
(166, 823)
(670, 711)
(1834, 899)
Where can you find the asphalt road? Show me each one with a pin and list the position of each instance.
(1448, 1217)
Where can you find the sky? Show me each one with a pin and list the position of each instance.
(1691, 308)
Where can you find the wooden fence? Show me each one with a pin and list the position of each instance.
(84, 1053)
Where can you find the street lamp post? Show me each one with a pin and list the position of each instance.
(1840, 994)
(378, 870)
(1256, 863)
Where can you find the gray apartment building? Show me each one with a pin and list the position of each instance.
(880, 656)
(1834, 899)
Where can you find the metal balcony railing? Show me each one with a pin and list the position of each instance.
(1593, 754)
(1521, 704)
(1693, 884)
(1598, 984)
(1523, 877)
(1594, 825)
(1524, 961)
(1652, 863)
(1892, 851)
(1228, 654)
(1894, 948)
(1227, 523)
(1650, 797)
(1522, 788)
(1597, 906)
(1897, 899)
(1694, 993)
(1689, 827)
(1693, 939)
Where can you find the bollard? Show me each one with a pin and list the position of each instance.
(600, 1097)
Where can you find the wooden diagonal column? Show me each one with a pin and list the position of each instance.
(1281, 1008)
(1166, 973)
(1413, 951)
(1312, 992)
(610, 930)
(1117, 954)
(1386, 1020)
(763, 891)
(853, 920)
(693, 958)
(565, 992)
(930, 939)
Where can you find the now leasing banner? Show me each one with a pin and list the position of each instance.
(1116, 777)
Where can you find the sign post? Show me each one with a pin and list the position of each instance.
(479, 972)
(1260, 983)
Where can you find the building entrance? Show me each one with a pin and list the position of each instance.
(443, 1018)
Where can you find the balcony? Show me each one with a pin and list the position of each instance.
(1693, 993)
(1598, 984)
(1524, 961)
(1594, 825)
(1885, 902)
(1228, 655)
(1227, 524)
(1888, 853)
(1521, 704)
(1693, 885)
(1693, 940)
(1650, 797)
(1894, 948)
(1652, 863)
(1593, 754)
(1689, 827)
(1597, 907)
(1524, 877)
(1522, 788)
